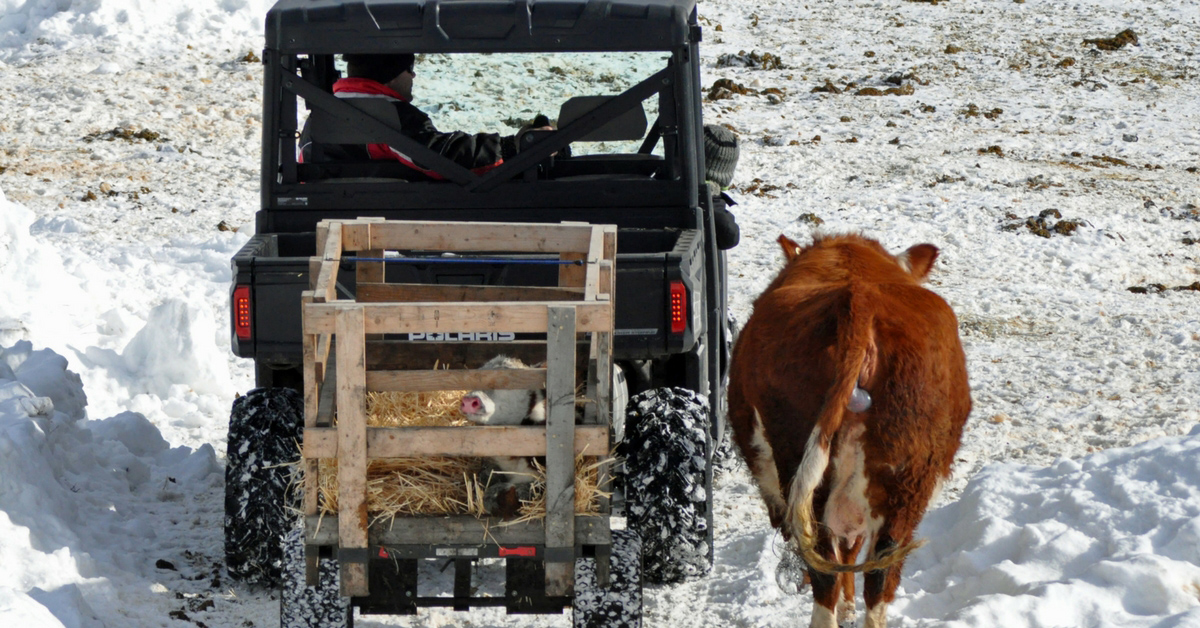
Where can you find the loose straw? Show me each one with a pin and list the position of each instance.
(441, 485)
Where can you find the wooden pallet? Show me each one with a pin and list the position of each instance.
(340, 332)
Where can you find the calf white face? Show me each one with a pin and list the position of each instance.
(503, 407)
(478, 406)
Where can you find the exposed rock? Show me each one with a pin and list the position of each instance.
(764, 61)
(774, 95)
(827, 88)
(725, 88)
(1067, 227)
(1046, 224)
(1155, 288)
(128, 134)
(973, 111)
(1104, 161)
(1115, 42)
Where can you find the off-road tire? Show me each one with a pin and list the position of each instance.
(302, 606)
(667, 504)
(618, 605)
(265, 428)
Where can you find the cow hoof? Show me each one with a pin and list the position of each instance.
(847, 616)
(791, 574)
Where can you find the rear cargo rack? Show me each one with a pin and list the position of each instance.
(340, 332)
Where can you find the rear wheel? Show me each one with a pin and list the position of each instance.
(619, 605)
(265, 428)
(302, 606)
(667, 503)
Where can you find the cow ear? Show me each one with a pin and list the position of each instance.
(790, 249)
(918, 260)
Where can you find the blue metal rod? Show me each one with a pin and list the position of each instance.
(462, 260)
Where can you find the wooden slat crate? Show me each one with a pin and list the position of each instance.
(340, 333)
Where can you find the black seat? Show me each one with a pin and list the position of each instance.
(338, 149)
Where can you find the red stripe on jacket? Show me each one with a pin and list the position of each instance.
(357, 87)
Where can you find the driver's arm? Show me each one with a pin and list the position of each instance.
(479, 150)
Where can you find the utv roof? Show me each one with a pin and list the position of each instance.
(336, 26)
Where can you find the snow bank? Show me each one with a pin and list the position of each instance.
(176, 348)
(162, 25)
(173, 366)
(76, 495)
(1112, 539)
(39, 294)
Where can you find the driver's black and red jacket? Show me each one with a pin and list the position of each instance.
(478, 152)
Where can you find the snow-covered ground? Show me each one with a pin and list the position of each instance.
(129, 177)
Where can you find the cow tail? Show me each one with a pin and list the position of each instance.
(857, 353)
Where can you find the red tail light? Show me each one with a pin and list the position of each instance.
(679, 311)
(241, 312)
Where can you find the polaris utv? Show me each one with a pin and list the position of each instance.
(621, 81)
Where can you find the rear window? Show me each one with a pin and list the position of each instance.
(498, 93)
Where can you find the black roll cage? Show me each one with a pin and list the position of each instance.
(529, 157)
(304, 36)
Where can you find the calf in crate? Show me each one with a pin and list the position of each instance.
(510, 478)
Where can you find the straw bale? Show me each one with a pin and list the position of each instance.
(587, 490)
(439, 485)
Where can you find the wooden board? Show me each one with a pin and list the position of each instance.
(352, 446)
(312, 372)
(328, 397)
(560, 446)
(408, 442)
(458, 529)
(458, 317)
(415, 292)
(466, 237)
(592, 287)
(454, 353)
(445, 379)
(330, 250)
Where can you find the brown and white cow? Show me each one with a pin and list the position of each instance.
(847, 395)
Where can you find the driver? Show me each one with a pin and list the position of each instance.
(390, 77)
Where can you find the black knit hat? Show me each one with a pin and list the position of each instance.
(720, 154)
(380, 68)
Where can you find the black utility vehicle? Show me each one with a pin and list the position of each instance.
(623, 78)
